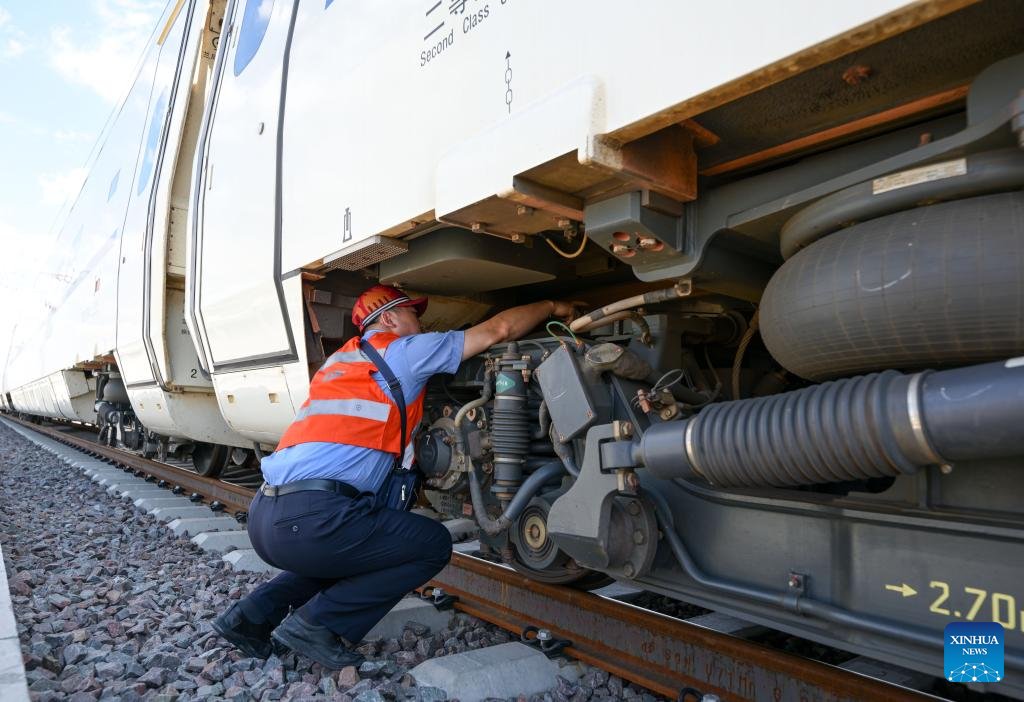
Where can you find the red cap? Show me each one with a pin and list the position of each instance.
(379, 299)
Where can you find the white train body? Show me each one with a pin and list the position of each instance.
(320, 131)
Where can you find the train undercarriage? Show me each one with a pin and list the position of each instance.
(795, 398)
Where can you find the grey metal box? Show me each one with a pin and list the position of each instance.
(569, 402)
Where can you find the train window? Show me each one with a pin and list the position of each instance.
(156, 124)
(254, 27)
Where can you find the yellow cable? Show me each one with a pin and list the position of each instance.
(563, 254)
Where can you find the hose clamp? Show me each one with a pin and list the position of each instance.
(916, 421)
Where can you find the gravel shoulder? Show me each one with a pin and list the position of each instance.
(112, 606)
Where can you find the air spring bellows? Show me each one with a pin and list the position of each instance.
(935, 286)
(510, 426)
(878, 425)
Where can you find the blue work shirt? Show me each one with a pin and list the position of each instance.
(413, 359)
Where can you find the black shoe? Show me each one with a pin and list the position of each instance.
(251, 639)
(316, 642)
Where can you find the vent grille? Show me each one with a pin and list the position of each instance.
(367, 252)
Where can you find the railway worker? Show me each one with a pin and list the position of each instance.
(348, 559)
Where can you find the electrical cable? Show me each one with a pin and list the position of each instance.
(740, 350)
(676, 374)
(563, 326)
(543, 350)
(563, 254)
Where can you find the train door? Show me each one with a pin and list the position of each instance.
(137, 357)
(239, 300)
(241, 310)
(155, 353)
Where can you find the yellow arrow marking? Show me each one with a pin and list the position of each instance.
(904, 589)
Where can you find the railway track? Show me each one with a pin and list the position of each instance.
(664, 654)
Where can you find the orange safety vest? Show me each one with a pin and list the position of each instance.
(347, 406)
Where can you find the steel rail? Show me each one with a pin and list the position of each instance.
(661, 653)
(235, 498)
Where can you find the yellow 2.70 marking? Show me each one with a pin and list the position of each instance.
(1002, 607)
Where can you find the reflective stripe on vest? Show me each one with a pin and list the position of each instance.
(346, 405)
(367, 409)
(344, 357)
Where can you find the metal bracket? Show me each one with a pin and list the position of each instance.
(688, 692)
(544, 641)
(796, 588)
(441, 600)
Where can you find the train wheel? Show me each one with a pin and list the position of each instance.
(537, 557)
(209, 459)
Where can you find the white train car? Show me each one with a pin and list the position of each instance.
(844, 178)
(215, 189)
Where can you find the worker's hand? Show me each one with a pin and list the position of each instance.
(565, 311)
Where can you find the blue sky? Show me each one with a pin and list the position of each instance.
(64, 65)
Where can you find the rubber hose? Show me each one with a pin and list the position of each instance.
(648, 298)
(564, 452)
(880, 425)
(530, 487)
(543, 421)
(632, 315)
(485, 396)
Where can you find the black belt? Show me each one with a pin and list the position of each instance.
(323, 485)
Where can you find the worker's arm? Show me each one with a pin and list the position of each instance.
(511, 324)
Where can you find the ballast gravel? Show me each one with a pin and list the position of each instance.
(112, 606)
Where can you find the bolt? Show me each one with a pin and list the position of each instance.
(795, 581)
(667, 413)
(945, 469)
(628, 570)
(855, 75)
(632, 482)
(627, 428)
(564, 223)
(544, 635)
(633, 507)
(517, 238)
(638, 537)
(524, 210)
(477, 227)
(649, 242)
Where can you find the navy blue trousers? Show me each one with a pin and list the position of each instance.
(348, 561)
